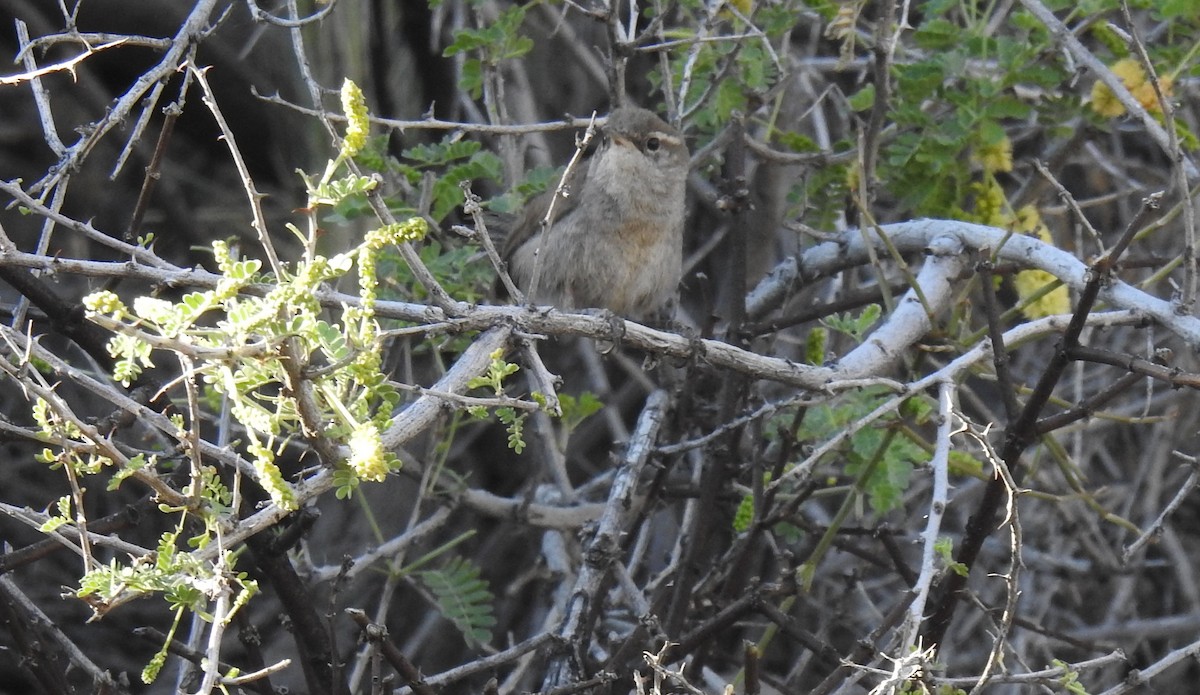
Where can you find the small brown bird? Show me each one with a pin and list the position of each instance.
(616, 240)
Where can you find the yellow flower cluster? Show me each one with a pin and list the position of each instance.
(269, 475)
(1130, 71)
(412, 229)
(105, 302)
(1032, 282)
(991, 208)
(995, 158)
(367, 456)
(354, 105)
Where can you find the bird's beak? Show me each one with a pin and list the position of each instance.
(620, 140)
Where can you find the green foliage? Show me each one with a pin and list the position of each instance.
(1070, 678)
(887, 461)
(944, 548)
(944, 108)
(247, 348)
(744, 514)
(883, 450)
(489, 45)
(823, 194)
(514, 424)
(855, 326)
(215, 505)
(577, 409)
(62, 518)
(453, 162)
(723, 75)
(463, 598)
(242, 359)
(335, 191)
(76, 450)
(184, 580)
(962, 463)
(493, 380)
(815, 345)
(1178, 10)
(498, 371)
(863, 99)
(345, 482)
(536, 181)
(440, 169)
(459, 268)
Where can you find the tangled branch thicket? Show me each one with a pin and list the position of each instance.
(920, 424)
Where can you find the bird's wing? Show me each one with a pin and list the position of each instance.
(529, 222)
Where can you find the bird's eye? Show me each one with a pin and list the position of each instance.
(653, 144)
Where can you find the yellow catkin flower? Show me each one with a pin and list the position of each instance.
(997, 157)
(269, 475)
(1131, 74)
(412, 229)
(354, 105)
(1030, 282)
(990, 203)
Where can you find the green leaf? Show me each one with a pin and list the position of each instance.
(466, 40)
(944, 548)
(796, 142)
(471, 78)
(577, 409)
(855, 326)
(443, 152)
(815, 346)
(197, 302)
(938, 34)
(918, 408)
(448, 195)
(1179, 9)
(332, 341)
(463, 598)
(495, 42)
(863, 99)
(991, 132)
(962, 463)
(515, 427)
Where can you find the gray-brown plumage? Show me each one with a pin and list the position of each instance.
(616, 241)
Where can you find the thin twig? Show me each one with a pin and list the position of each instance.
(47, 628)
(939, 463)
(560, 191)
(192, 27)
(64, 66)
(1179, 176)
(1156, 528)
(253, 196)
